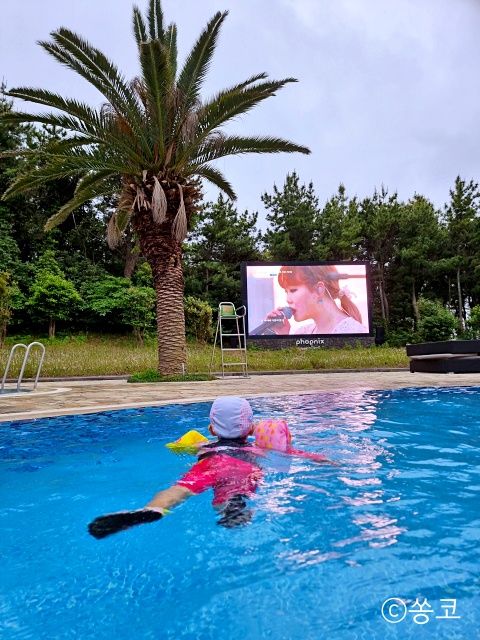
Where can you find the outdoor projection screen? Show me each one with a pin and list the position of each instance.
(306, 299)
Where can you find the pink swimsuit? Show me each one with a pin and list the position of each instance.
(227, 475)
(237, 474)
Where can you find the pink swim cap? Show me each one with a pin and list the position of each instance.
(273, 434)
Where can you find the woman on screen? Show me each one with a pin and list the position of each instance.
(312, 294)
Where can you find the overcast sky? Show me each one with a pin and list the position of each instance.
(388, 92)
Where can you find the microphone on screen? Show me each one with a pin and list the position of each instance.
(266, 328)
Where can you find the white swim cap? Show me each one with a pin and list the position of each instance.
(231, 417)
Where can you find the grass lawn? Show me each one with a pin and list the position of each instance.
(120, 355)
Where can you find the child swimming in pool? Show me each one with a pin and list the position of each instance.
(227, 465)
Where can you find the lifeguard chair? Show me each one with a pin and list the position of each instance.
(230, 331)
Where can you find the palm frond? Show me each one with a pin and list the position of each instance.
(159, 202)
(73, 162)
(139, 27)
(51, 99)
(158, 80)
(213, 175)
(53, 119)
(98, 65)
(97, 127)
(180, 224)
(226, 105)
(155, 20)
(91, 64)
(116, 226)
(86, 117)
(92, 186)
(54, 147)
(89, 180)
(32, 179)
(198, 61)
(170, 42)
(222, 146)
(234, 102)
(114, 235)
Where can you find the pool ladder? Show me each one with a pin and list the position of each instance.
(28, 349)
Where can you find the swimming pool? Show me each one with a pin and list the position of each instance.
(400, 518)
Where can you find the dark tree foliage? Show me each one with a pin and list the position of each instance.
(417, 252)
(222, 239)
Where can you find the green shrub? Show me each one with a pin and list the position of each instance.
(400, 337)
(151, 375)
(11, 299)
(436, 322)
(473, 323)
(105, 298)
(52, 298)
(198, 319)
(138, 310)
(117, 302)
(142, 276)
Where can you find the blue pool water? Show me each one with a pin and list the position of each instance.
(399, 518)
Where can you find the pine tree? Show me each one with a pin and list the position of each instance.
(340, 228)
(294, 221)
(221, 240)
(380, 223)
(462, 223)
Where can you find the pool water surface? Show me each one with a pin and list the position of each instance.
(399, 517)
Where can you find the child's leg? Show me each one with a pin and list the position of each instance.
(234, 512)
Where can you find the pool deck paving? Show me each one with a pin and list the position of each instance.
(87, 396)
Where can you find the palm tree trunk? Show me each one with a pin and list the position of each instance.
(138, 335)
(129, 264)
(383, 297)
(131, 255)
(416, 313)
(460, 302)
(3, 333)
(380, 293)
(164, 255)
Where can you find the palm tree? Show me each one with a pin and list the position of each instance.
(155, 138)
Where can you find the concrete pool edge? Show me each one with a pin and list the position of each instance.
(83, 397)
(217, 374)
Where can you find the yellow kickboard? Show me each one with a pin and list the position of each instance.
(187, 443)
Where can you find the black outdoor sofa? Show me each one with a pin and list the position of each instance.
(450, 356)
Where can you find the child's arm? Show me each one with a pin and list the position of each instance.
(315, 457)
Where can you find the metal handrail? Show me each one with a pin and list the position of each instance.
(39, 367)
(10, 358)
(28, 349)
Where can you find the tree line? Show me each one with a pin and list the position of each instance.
(425, 260)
